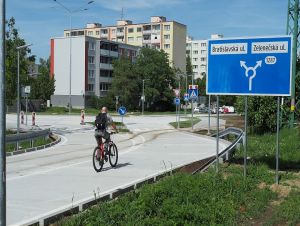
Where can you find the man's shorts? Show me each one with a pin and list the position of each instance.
(101, 133)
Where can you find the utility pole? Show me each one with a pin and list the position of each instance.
(292, 28)
(2, 117)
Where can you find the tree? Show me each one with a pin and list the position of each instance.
(42, 86)
(153, 66)
(125, 84)
(189, 70)
(12, 42)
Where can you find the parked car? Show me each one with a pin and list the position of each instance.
(228, 109)
(201, 109)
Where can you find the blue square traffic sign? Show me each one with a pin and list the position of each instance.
(250, 66)
(193, 92)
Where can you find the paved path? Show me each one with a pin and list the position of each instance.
(43, 181)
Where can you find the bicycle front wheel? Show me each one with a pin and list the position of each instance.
(97, 160)
(113, 155)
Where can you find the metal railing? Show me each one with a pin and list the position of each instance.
(239, 133)
(31, 136)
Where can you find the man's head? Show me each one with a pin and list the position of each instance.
(104, 110)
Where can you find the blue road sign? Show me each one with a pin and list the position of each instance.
(186, 97)
(250, 66)
(122, 110)
(177, 101)
(193, 92)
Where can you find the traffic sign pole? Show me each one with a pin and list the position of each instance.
(208, 132)
(245, 136)
(217, 149)
(178, 123)
(277, 141)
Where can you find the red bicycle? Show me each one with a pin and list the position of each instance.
(104, 152)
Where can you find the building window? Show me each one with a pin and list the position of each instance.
(104, 31)
(195, 45)
(91, 46)
(130, 39)
(195, 59)
(97, 32)
(195, 66)
(195, 52)
(139, 38)
(130, 30)
(91, 74)
(166, 46)
(203, 51)
(167, 27)
(67, 34)
(156, 27)
(139, 29)
(104, 86)
(106, 73)
(105, 60)
(202, 59)
(91, 87)
(203, 44)
(91, 60)
(90, 33)
(166, 36)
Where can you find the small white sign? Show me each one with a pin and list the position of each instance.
(229, 48)
(27, 89)
(269, 47)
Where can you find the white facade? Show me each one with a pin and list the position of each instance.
(197, 50)
(91, 68)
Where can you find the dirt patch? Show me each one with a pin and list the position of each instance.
(234, 121)
(195, 166)
(282, 190)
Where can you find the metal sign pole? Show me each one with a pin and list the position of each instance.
(2, 118)
(26, 107)
(217, 150)
(208, 132)
(192, 114)
(245, 136)
(178, 123)
(277, 141)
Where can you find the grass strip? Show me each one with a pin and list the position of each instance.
(185, 123)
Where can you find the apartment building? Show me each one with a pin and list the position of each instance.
(91, 67)
(197, 50)
(169, 36)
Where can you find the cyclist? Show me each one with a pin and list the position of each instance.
(102, 122)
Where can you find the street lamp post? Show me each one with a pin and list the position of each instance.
(18, 90)
(71, 12)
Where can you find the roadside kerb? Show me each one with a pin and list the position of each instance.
(22, 151)
(53, 216)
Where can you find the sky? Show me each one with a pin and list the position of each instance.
(40, 20)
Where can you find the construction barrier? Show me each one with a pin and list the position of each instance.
(33, 118)
(22, 117)
(82, 117)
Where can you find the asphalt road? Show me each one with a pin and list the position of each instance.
(44, 181)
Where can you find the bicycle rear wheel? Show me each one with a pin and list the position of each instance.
(97, 160)
(113, 155)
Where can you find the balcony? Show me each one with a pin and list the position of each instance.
(104, 52)
(103, 35)
(106, 66)
(147, 41)
(146, 31)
